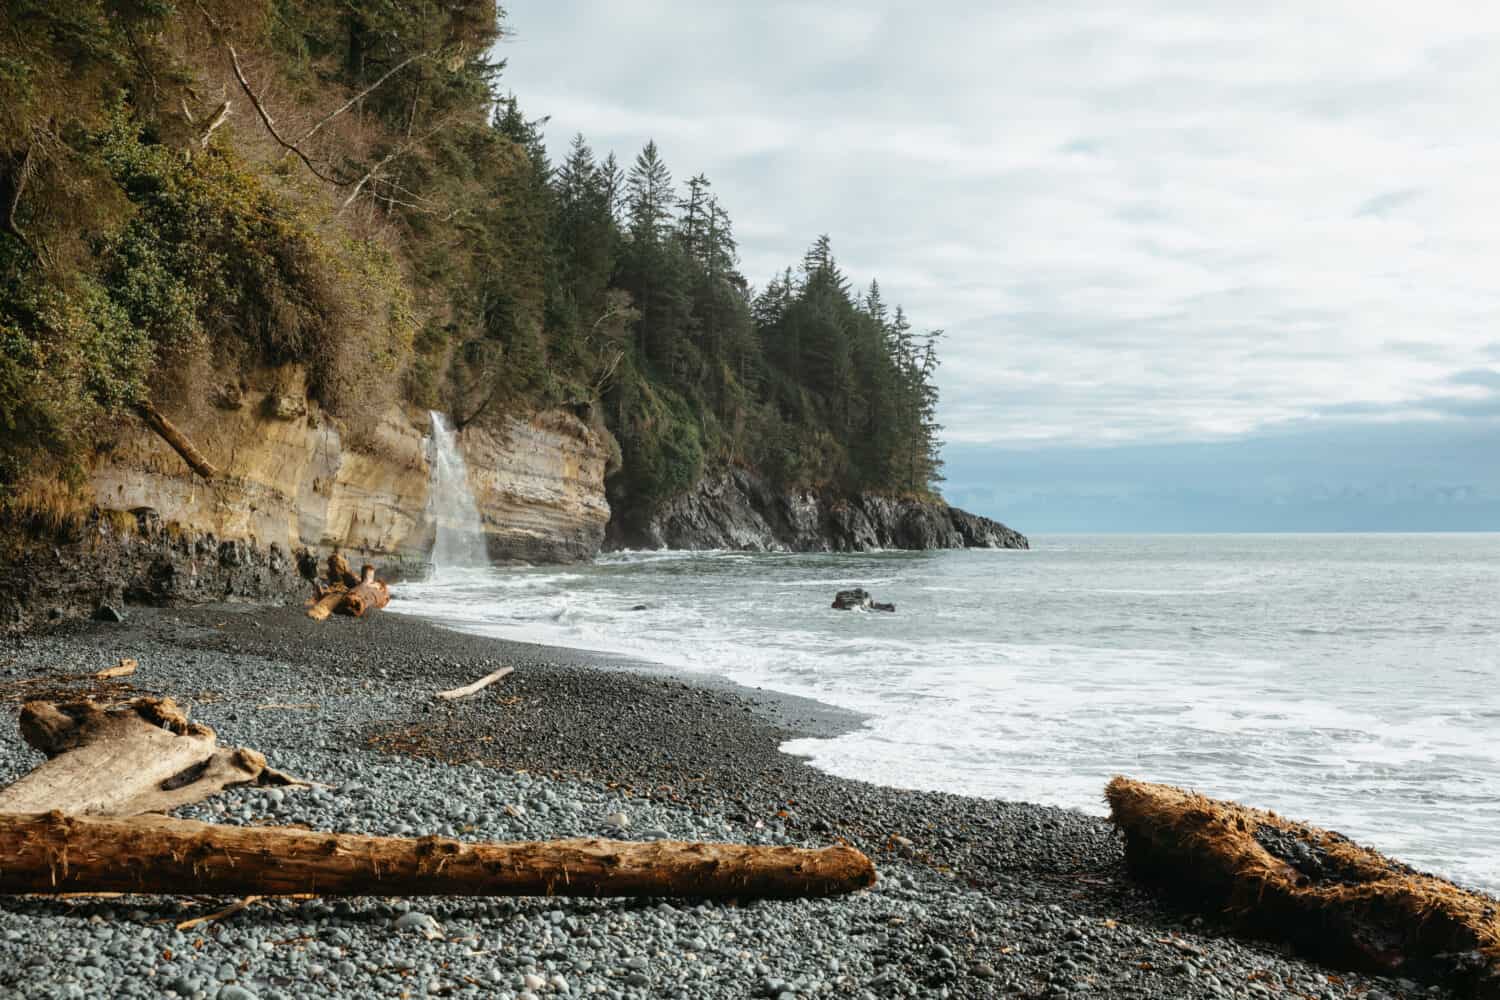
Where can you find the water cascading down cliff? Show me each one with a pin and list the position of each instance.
(459, 541)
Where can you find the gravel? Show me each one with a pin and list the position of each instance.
(977, 898)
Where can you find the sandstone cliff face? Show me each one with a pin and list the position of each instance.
(290, 484)
(539, 486)
(736, 509)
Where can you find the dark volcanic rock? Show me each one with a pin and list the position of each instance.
(851, 600)
(133, 558)
(736, 509)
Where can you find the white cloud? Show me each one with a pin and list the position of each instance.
(1160, 220)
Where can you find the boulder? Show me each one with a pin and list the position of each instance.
(851, 600)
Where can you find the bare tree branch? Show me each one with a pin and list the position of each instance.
(360, 96)
(219, 118)
(265, 117)
(394, 154)
(17, 185)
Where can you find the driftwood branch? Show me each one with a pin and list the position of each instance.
(141, 757)
(169, 433)
(55, 853)
(463, 692)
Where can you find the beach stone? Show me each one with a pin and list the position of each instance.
(420, 923)
(618, 820)
(234, 992)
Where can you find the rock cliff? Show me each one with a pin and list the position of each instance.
(291, 483)
(736, 509)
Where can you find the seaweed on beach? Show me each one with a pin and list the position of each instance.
(1333, 900)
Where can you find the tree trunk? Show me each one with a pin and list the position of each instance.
(370, 594)
(141, 757)
(339, 571)
(169, 433)
(326, 602)
(54, 853)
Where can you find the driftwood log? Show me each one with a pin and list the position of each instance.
(56, 853)
(1336, 902)
(141, 757)
(459, 693)
(346, 593)
(74, 825)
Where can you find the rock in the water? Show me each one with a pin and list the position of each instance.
(851, 600)
(879, 606)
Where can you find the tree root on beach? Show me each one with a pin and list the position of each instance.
(1336, 902)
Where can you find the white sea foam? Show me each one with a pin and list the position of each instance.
(1312, 684)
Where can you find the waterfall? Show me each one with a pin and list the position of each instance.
(460, 535)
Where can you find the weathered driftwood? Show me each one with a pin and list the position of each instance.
(55, 853)
(169, 433)
(346, 593)
(339, 571)
(326, 600)
(477, 686)
(124, 668)
(1335, 901)
(367, 595)
(141, 757)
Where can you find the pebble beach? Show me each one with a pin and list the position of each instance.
(975, 898)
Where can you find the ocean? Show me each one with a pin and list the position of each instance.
(1345, 680)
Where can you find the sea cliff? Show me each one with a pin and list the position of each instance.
(737, 509)
(293, 484)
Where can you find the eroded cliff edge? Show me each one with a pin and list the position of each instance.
(293, 487)
(738, 509)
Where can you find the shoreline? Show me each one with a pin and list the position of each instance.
(977, 897)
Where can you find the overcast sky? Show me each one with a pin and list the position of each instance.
(1268, 227)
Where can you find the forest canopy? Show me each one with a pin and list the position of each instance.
(192, 189)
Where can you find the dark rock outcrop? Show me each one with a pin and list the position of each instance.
(115, 559)
(736, 509)
(851, 600)
(858, 599)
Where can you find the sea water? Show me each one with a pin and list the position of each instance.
(1346, 680)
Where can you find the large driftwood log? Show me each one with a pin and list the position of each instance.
(169, 433)
(54, 853)
(346, 593)
(339, 571)
(368, 594)
(1336, 902)
(141, 757)
(326, 601)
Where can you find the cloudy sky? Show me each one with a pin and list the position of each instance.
(1203, 265)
